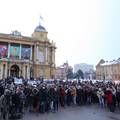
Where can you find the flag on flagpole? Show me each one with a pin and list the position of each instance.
(41, 19)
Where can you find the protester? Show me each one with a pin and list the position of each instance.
(74, 94)
(100, 94)
(5, 103)
(109, 99)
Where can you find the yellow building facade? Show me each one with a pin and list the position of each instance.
(108, 70)
(27, 57)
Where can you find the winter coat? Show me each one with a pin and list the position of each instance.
(109, 98)
(4, 104)
(100, 93)
(74, 92)
(62, 92)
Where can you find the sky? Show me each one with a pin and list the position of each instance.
(84, 31)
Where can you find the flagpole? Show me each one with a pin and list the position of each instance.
(41, 19)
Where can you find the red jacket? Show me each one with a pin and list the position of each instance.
(109, 98)
(62, 92)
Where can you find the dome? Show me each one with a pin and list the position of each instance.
(40, 29)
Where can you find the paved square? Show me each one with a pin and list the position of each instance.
(76, 113)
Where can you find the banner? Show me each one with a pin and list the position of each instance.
(41, 54)
(26, 52)
(14, 52)
(3, 51)
(18, 81)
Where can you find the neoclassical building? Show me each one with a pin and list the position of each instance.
(108, 70)
(27, 56)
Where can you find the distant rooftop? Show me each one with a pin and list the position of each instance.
(16, 33)
(111, 62)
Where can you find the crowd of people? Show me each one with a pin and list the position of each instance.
(44, 97)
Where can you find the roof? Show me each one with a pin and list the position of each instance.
(40, 28)
(15, 36)
(111, 62)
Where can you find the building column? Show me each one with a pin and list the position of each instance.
(21, 66)
(20, 51)
(53, 56)
(8, 69)
(8, 50)
(0, 71)
(28, 72)
(37, 52)
(22, 70)
(9, 72)
(31, 71)
(4, 71)
(46, 55)
(34, 58)
(31, 53)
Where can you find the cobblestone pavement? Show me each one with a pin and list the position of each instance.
(76, 113)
